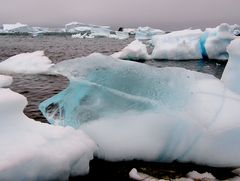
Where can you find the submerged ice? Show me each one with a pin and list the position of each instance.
(135, 111)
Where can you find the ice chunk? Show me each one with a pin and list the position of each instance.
(231, 73)
(130, 31)
(144, 33)
(5, 81)
(178, 45)
(26, 63)
(119, 35)
(200, 176)
(135, 111)
(31, 150)
(80, 35)
(136, 50)
(217, 39)
(135, 175)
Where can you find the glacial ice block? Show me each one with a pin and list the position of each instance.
(218, 39)
(178, 45)
(30, 150)
(136, 50)
(135, 111)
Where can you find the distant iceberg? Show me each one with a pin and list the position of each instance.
(75, 27)
(94, 31)
(26, 29)
(17, 28)
(145, 33)
(135, 111)
(30, 150)
(26, 63)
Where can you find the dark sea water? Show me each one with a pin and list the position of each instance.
(40, 87)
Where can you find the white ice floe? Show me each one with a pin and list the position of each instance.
(231, 73)
(135, 111)
(26, 63)
(145, 33)
(5, 81)
(200, 176)
(31, 150)
(178, 45)
(136, 50)
(216, 40)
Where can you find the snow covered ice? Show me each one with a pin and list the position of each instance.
(217, 40)
(145, 33)
(194, 44)
(136, 50)
(26, 63)
(31, 150)
(178, 45)
(135, 111)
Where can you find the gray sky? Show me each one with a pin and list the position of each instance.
(163, 14)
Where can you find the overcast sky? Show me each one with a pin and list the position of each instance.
(163, 14)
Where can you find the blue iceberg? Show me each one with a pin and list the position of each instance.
(135, 111)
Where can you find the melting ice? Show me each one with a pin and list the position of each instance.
(135, 111)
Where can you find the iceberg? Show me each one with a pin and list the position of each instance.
(231, 72)
(178, 45)
(30, 150)
(136, 50)
(135, 111)
(194, 44)
(216, 40)
(17, 28)
(26, 63)
(76, 27)
(145, 33)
